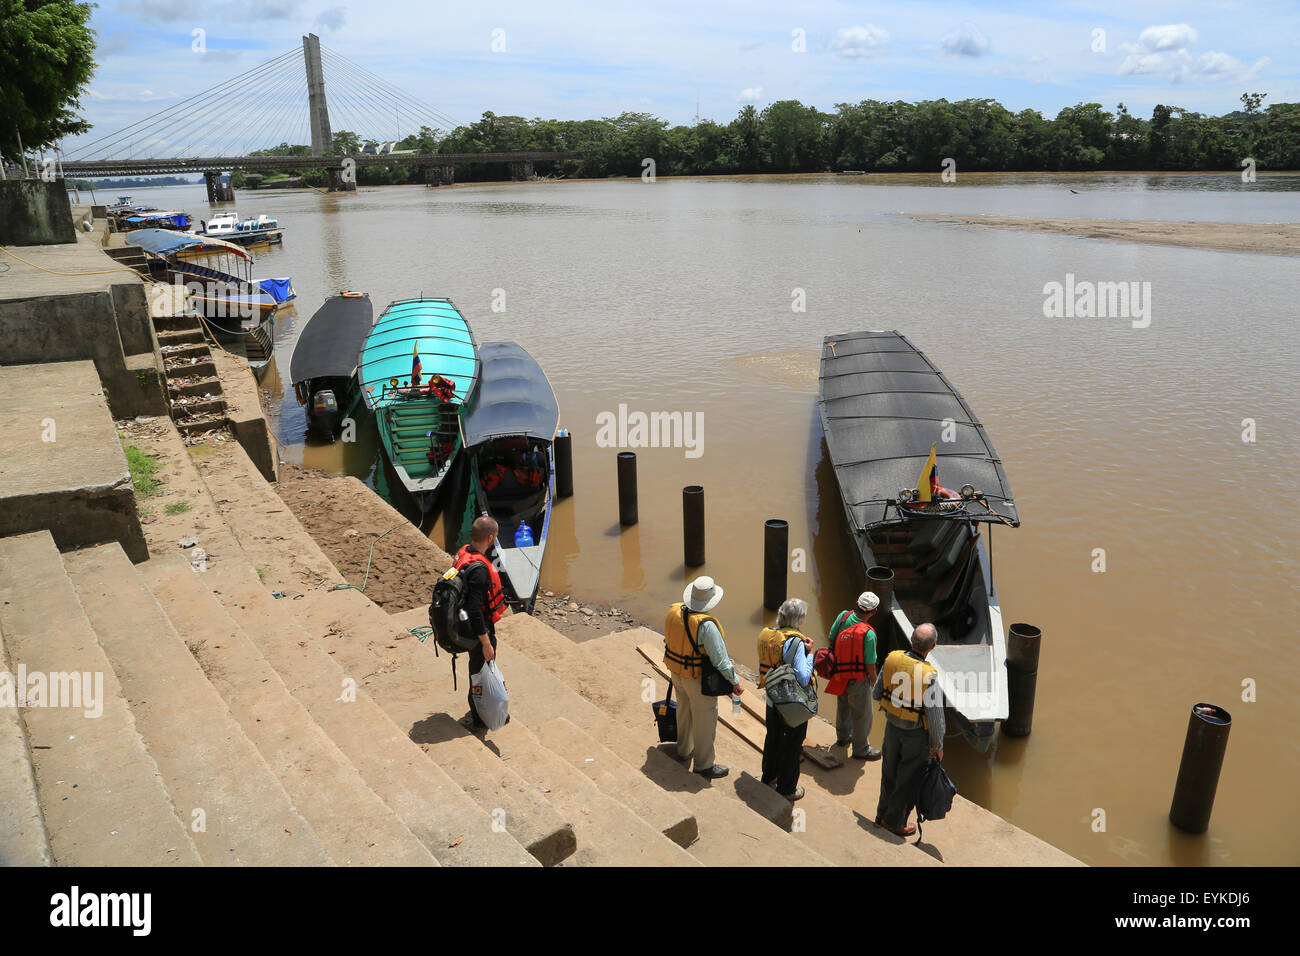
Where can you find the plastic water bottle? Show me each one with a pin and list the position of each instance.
(735, 706)
(524, 537)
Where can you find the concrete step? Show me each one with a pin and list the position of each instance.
(617, 778)
(197, 407)
(173, 351)
(210, 767)
(546, 671)
(23, 840)
(515, 805)
(172, 323)
(386, 754)
(190, 336)
(201, 423)
(199, 385)
(347, 628)
(189, 367)
(609, 832)
(819, 821)
(102, 797)
(354, 824)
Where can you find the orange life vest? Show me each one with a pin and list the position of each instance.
(684, 653)
(850, 665)
(529, 477)
(493, 477)
(495, 605)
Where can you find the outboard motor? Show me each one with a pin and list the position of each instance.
(324, 412)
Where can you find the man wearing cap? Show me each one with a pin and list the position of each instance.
(691, 634)
(854, 643)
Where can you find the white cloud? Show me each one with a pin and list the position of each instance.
(859, 41)
(751, 94)
(968, 41)
(1170, 36)
(333, 18)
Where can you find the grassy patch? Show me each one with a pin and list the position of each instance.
(261, 574)
(144, 469)
(178, 507)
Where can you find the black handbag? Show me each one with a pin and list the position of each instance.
(665, 712)
(712, 683)
(932, 794)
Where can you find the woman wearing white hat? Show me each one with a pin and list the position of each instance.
(692, 637)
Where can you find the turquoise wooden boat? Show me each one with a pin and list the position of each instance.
(419, 420)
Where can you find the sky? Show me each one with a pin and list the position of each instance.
(585, 60)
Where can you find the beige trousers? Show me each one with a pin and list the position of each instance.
(697, 722)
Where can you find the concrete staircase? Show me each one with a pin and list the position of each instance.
(255, 711)
(193, 389)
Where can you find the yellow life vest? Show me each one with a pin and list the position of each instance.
(679, 656)
(770, 642)
(905, 680)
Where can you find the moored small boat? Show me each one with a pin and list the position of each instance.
(417, 368)
(508, 464)
(886, 409)
(324, 362)
(246, 232)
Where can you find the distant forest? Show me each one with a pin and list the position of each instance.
(788, 137)
(134, 183)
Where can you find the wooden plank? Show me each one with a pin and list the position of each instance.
(751, 725)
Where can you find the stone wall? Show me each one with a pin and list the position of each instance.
(34, 212)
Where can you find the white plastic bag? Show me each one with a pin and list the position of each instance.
(490, 697)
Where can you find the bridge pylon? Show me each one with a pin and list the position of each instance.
(322, 140)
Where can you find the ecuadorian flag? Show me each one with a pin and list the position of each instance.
(416, 366)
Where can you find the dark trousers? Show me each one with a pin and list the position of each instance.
(476, 663)
(906, 752)
(782, 748)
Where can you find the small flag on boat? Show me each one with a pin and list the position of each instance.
(923, 484)
(416, 366)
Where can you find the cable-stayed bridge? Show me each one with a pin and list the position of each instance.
(215, 130)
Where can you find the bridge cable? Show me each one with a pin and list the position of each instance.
(420, 113)
(350, 82)
(277, 101)
(378, 81)
(216, 101)
(253, 96)
(82, 149)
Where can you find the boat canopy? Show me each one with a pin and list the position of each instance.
(328, 344)
(434, 326)
(166, 242)
(281, 290)
(883, 404)
(514, 397)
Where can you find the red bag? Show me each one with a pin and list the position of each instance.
(824, 662)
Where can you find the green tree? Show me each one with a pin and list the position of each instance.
(46, 59)
(346, 143)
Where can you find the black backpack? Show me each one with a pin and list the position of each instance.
(449, 619)
(934, 793)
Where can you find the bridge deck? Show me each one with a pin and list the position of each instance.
(220, 164)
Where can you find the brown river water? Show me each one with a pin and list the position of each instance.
(677, 296)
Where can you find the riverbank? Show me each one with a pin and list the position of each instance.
(1273, 239)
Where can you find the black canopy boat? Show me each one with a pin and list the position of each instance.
(884, 408)
(325, 360)
(508, 469)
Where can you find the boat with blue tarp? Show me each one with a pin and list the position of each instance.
(508, 469)
(416, 370)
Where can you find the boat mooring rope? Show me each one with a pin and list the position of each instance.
(366, 579)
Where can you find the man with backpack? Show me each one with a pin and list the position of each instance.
(909, 694)
(695, 653)
(484, 601)
(853, 642)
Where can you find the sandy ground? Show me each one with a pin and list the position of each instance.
(345, 518)
(1274, 239)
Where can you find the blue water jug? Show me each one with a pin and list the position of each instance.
(524, 537)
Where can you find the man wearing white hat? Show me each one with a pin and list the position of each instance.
(693, 639)
(854, 642)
